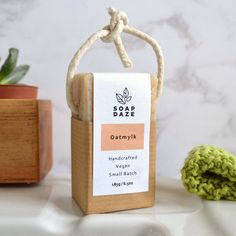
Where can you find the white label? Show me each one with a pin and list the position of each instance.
(122, 105)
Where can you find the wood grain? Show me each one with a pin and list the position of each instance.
(82, 174)
(24, 129)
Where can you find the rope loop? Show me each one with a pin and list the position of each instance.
(111, 33)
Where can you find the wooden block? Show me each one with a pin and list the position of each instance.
(82, 174)
(25, 140)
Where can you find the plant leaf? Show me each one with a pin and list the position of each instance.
(17, 74)
(126, 93)
(120, 98)
(128, 98)
(9, 64)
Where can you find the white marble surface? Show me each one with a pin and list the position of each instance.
(198, 38)
(48, 210)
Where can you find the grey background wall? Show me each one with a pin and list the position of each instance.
(198, 38)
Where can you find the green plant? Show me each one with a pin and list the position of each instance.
(9, 72)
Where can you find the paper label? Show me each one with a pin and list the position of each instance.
(121, 128)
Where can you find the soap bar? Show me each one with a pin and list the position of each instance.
(82, 130)
(82, 95)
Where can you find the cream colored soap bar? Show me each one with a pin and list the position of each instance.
(82, 95)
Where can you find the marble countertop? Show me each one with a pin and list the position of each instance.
(47, 209)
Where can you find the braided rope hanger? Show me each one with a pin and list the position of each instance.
(111, 33)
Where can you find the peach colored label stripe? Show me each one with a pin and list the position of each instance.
(122, 137)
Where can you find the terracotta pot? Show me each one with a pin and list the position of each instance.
(18, 91)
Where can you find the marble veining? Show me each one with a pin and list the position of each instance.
(198, 39)
(11, 11)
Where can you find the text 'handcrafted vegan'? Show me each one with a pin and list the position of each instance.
(113, 127)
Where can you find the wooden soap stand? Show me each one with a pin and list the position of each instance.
(25, 140)
(82, 174)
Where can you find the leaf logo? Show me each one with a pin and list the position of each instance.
(123, 99)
